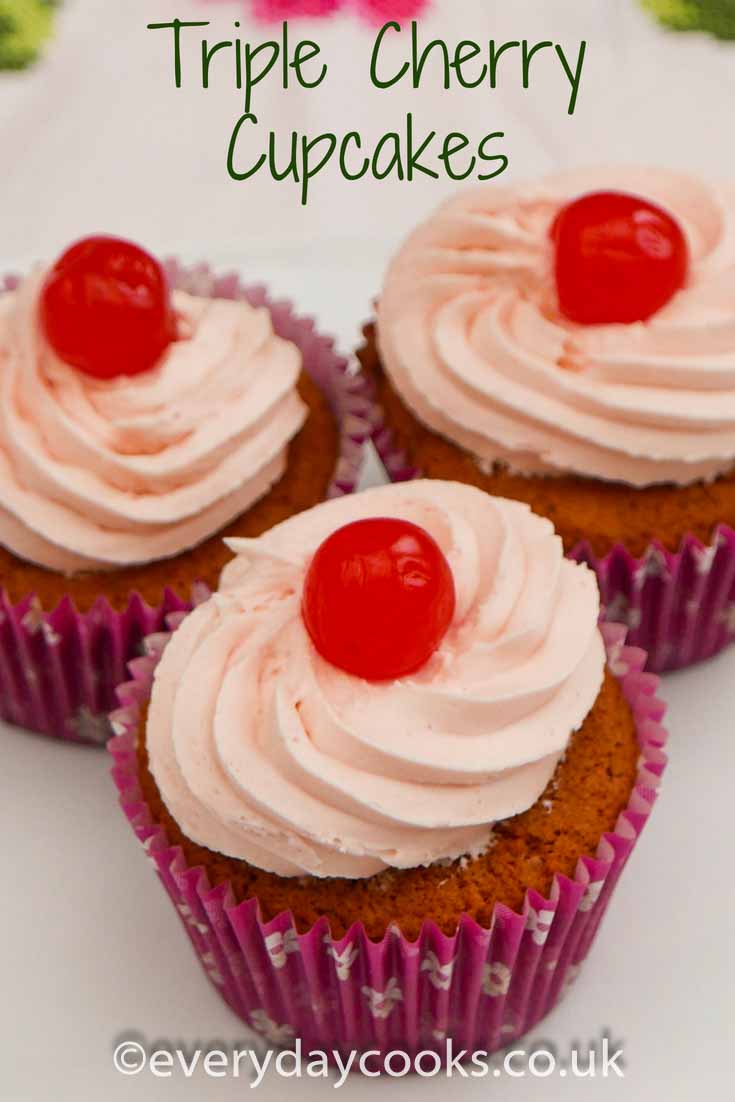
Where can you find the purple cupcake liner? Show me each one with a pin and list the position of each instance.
(678, 606)
(481, 988)
(59, 669)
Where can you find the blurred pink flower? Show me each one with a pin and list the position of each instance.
(377, 11)
(275, 10)
(380, 11)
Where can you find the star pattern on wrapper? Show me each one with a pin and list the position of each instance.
(280, 944)
(343, 960)
(727, 617)
(653, 565)
(35, 621)
(212, 968)
(496, 979)
(190, 918)
(620, 611)
(538, 924)
(382, 1003)
(705, 557)
(272, 1031)
(440, 975)
(51, 636)
(591, 895)
(92, 727)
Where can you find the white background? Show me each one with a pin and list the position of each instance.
(97, 139)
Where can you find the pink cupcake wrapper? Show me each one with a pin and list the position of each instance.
(678, 606)
(59, 669)
(480, 987)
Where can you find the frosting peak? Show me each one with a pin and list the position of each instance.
(264, 751)
(98, 474)
(471, 334)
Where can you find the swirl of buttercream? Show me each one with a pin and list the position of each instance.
(470, 333)
(264, 751)
(99, 474)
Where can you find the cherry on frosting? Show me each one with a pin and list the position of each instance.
(618, 258)
(378, 598)
(105, 308)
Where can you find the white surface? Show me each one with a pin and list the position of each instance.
(97, 138)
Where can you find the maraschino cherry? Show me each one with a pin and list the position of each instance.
(105, 308)
(378, 598)
(618, 258)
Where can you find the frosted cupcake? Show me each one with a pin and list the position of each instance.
(394, 721)
(571, 344)
(139, 426)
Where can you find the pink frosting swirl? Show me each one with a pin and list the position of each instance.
(471, 336)
(103, 474)
(264, 751)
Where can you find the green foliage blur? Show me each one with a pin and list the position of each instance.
(715, 16)
(24, 27)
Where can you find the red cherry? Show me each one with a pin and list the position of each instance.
(105, 308)
(378, 598)
(618, 258)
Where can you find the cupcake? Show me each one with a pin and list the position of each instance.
(571, 344)
(145, 416)
(390, 771)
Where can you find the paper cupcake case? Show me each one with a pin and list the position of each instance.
(678, 606)
(59, 669)
(480, 987)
